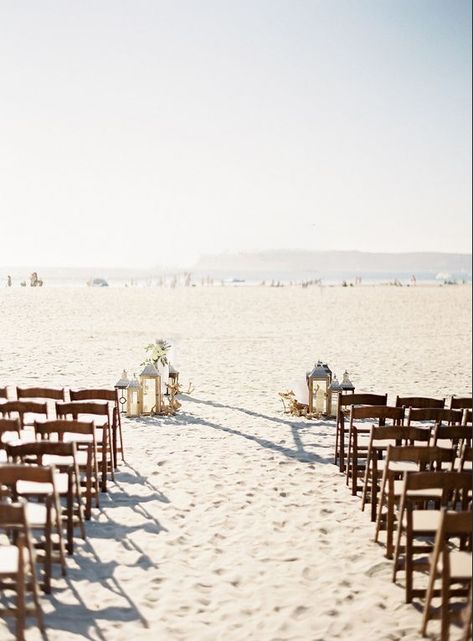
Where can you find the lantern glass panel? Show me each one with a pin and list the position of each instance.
(149, 387)
(133, 405)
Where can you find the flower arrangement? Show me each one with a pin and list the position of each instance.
(157, 353)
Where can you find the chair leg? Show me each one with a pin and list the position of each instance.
(380, 506)
(428, 597)
(409, 565)
(20, 596)
(390, 520)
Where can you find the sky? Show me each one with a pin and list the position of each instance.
(139, 133)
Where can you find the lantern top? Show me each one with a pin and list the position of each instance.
(320, 371)
(123, 381)
(134, 383)
(172, 369)
(346, 382)
(150, 370)
(335, 385)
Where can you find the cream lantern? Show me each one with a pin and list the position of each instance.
(335, 390)
(319, 380)
(133, 393)
(150, 392)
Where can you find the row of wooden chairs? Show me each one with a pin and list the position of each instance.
(415, 465)
(53, 463)
(461, 404)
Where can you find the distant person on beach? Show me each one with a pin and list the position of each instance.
(8, 280)
(413, 280)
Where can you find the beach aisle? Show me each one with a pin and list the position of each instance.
(229, 522)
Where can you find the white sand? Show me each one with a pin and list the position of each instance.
(230, 522)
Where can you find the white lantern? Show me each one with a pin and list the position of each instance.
(133, 406)
(121, 385)
(150, 390)
(319, 380)
(335, 390)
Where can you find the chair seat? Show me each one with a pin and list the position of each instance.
(460, 565)
(424, 520)
(36, 514)
(398, 466)
(31, 487)
(432, 493)
(9, 559)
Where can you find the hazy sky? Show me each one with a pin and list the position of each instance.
(144, 132)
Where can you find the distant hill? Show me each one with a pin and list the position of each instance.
(328, 264)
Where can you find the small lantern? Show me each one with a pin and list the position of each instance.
(335, 390)
(122, 385)
(133, 406)
(347, 385)
(319, 380)
(150, 395)
(173, 374)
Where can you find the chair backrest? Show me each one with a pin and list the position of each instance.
(78, 408)
(94, 395)
(447, 481)
(11, 473)
(453, 433)
(3, 392)
(419, 402)
(434, 415)
(22, 408)
(60, 427)
(22, 451)
(13, 515)
(408, 435)
(362, 399)
(461, 403)
(9, 426)
(467, 415)
(41, 392)
(420, 454)
(377, 412)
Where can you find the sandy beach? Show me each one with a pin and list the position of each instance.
(229, 522)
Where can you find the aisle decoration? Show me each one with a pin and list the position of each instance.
(154, 392)
(319, 397)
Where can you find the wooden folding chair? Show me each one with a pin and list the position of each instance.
(99, 412)
(111, 396)
(344, 403)
(418, 402)
(26, 411)
(35, 482)
(17, 567)
(63, 457)
(429, 491)
(398, 461)
(452, 566)
(467, 415)
(3, 393)
(83, 434)
(380, 438)
(357, 444)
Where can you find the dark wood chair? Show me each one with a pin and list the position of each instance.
(111, 397)
(398, 460)
(83, 434)
(424, 493)
(452, 565)
(17, 567)
(361, 420)
(344, 403)
(26, 411)
(461, 403)
(84, 411)
(380, 438)
(63, 457)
